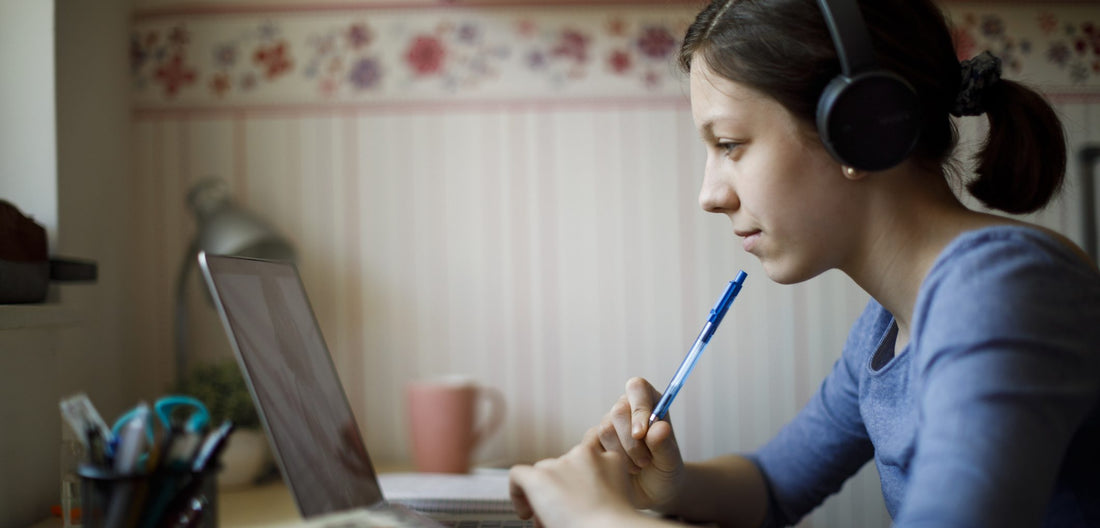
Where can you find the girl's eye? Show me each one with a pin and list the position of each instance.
(727, 147)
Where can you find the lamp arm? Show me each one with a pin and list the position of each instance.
(181, 320)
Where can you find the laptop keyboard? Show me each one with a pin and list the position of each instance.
(488, 524)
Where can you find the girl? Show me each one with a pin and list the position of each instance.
(972, 377)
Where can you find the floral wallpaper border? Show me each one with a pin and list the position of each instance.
(373, 55)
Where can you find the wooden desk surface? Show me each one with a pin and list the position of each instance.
(264, 505)
(259, 506)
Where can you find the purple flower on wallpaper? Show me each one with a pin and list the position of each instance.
(225, 55)
(248, 81)
(311, 69)
(137, 53)
(1078, 73)
(1058, 53)
(656, 42)
(365, 74)
(268, 31)
(993, 26)
(536, 60)
(469, 33)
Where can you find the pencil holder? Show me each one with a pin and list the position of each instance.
(164, 499)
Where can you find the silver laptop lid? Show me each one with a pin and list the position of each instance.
(267, 315)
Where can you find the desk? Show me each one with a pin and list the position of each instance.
(266, 505)
(259, 506)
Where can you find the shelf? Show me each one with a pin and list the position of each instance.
(36, 316)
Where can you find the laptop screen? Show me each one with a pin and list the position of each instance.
(294, 384)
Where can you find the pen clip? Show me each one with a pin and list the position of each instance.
(723, 304)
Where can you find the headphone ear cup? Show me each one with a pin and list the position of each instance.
(870, 121)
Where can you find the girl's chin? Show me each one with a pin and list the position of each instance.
(781, 274)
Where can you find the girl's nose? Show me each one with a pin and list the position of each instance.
(717, 195)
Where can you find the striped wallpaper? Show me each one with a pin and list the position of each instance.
(531, 224)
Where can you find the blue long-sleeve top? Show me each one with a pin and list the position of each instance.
(988, 417)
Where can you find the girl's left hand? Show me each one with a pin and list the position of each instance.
(581, 488)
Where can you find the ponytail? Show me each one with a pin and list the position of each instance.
(1022, 163)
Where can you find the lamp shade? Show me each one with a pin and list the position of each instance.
(224, 228)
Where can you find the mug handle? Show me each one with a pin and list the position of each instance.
(495, 398)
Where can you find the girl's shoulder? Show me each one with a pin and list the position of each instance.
(1008, 280)
(1015, 243)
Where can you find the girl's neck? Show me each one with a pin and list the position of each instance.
(908, 226)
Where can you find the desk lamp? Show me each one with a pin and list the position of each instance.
(224, 228)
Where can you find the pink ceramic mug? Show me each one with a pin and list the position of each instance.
(444, 425)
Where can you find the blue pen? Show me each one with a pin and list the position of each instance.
(715, 318)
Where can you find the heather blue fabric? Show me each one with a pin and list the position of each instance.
(988, 417)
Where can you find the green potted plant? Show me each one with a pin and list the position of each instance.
(221, 387)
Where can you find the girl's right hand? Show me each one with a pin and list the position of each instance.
(656, 466)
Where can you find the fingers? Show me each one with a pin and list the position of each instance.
(580, 484)
(642, 397)
(661, 443)
(515, 491)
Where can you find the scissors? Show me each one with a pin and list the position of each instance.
(165, 408)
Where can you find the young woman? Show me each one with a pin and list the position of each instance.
(972, 377)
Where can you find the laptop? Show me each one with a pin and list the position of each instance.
(301, 402)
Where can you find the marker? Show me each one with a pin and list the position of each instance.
(715, 318)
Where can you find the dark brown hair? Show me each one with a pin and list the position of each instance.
(782, 48)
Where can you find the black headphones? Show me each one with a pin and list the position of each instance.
(867, 118)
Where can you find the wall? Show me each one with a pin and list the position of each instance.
(78, 341)
(508, 191)
(28, 145)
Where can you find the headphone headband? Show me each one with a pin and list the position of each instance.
(867, 117)
(850, 36)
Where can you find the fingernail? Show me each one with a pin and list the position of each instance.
(637, 429)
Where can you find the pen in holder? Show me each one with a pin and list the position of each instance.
(162, 499)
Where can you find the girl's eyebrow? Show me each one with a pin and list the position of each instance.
(706, 130)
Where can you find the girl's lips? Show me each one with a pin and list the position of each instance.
(749, 240)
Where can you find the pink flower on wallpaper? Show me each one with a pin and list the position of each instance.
(425, 55)
(175, 75)
(572, 44)
(359, 35)
(1047, 23)
(619, 61)
(964, 43)
(1090, 40)
(328, 87)
(526, 27)
(656, 42)
(273, 59)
